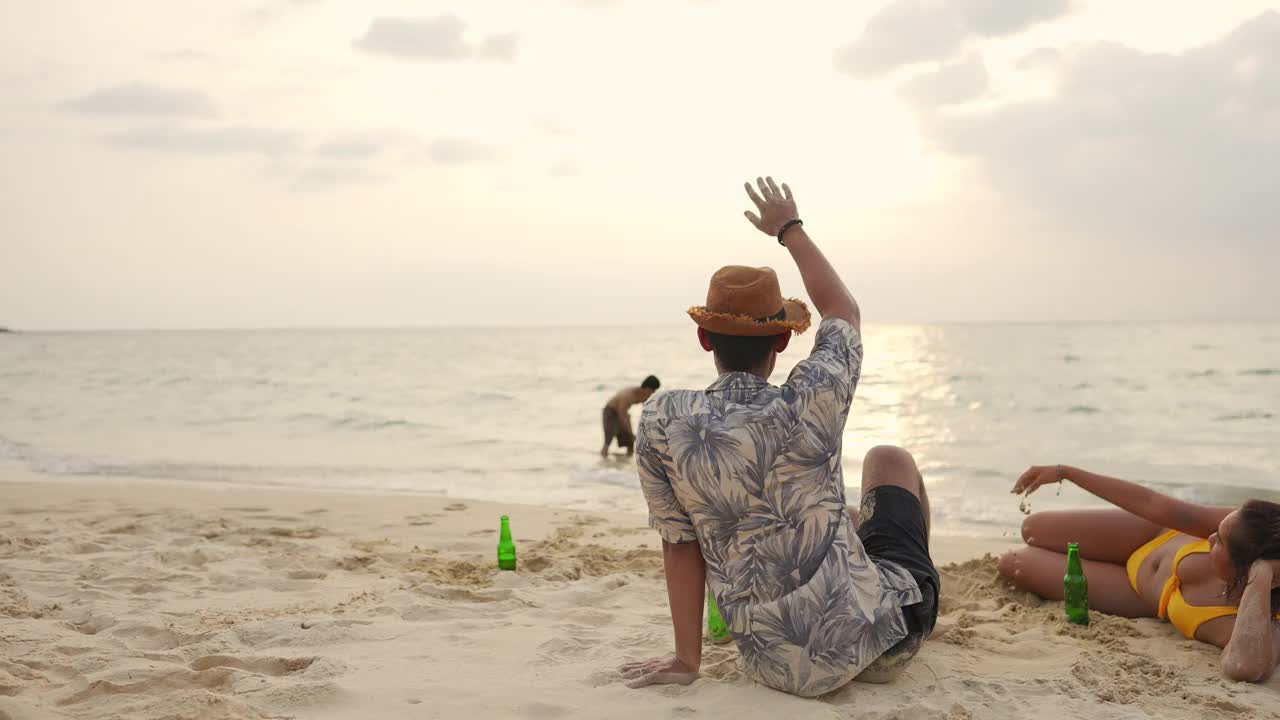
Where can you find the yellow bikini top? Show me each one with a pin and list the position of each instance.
(1187, 617)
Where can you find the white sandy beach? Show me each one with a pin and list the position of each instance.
(150, 600)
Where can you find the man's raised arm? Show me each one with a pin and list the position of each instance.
(779, 218)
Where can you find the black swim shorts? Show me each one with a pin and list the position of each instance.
(891, 526)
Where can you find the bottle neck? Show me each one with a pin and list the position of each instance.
(1073, 562)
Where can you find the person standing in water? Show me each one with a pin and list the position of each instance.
(616, 416)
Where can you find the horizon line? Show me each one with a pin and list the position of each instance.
(597, 326)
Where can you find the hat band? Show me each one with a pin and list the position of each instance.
(780, 315)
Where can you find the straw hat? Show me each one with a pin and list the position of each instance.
(747, 301)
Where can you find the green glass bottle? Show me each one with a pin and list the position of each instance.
(716, 628)
(506, 547)
(1076, 588)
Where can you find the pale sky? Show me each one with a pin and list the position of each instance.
(265, 163)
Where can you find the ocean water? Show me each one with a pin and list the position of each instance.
(514, 414)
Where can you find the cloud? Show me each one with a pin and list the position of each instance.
(326, 176)
(358, 145)
(223, 140)
(455, 151)
(499, 47)
(338, 161)
(950, 84)
(142, 100)
(902, 33)
(354, 159)
(268, 12)
(369, 146)
(1170, 148)
(1044, 57)
(994, 18)
(362, 158)
(906, 32)
(341, 160)
(436, 39)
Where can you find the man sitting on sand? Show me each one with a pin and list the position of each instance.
(744, 484)
(617, 415)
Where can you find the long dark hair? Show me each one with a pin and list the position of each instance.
(1256, 536)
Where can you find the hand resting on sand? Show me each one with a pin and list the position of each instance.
(659, 671)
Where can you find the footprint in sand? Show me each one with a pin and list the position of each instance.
(217, 679)
(355, 562)
(456, 507)
(537, 564)
(305, 533)
(273, 666)
(91, 624)
(147, 588)
(32, 510)
(148, 637)
(277, 518)
(126, 529)
(561, 649)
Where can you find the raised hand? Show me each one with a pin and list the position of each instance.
(775, 204)
(1037, 476)
(659, 671)
(1266, 571)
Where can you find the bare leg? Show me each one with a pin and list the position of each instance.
(886, 465)
(1040, 571)
(891, 465)
(1106, 535)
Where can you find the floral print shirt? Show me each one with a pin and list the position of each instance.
(751, 472)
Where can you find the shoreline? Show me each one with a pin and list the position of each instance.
(162, 600)
(17, 472)
(952, 547)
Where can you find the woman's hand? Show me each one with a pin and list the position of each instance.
(659, 671)
(1265, 571)
(1038, 475)
(776, 207)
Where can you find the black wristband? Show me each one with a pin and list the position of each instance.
(787, 226)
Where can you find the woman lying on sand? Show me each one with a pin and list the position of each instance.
(1221, 590)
